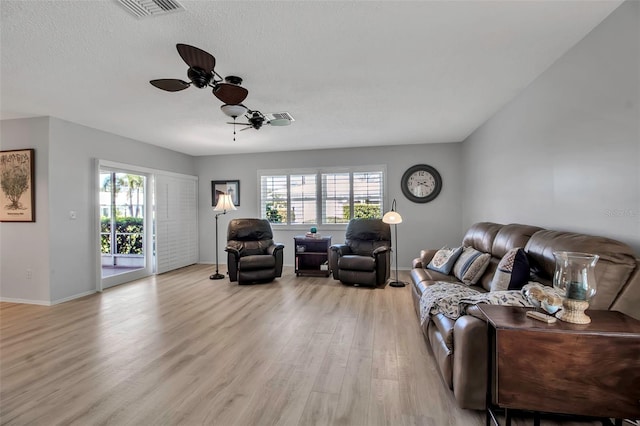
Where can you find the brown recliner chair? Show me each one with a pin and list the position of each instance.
(252, 256)
(365, 256)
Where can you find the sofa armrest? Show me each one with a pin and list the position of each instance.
(335, 251)
(470, 362)
(340, 249)
(426, 256)
(272, 248)
(233, 251)
(380, 250)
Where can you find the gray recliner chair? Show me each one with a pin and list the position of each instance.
(252, 256)
(365, 256)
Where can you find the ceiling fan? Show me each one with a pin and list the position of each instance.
(255, 119)
(201, 74)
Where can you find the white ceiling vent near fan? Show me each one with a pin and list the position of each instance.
(280, 118)
(145, 8)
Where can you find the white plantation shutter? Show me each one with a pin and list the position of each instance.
(176, 222)
(302, 199)
(336, 190)
(274, 198)
(367, 191)
(297, 197)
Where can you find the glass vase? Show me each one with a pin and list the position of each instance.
(575, 278)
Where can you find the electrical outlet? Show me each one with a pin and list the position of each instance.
(29, 274)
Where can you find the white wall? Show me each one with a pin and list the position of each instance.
(61, 251)
(430, 225)
(565, 154)
(25, 245)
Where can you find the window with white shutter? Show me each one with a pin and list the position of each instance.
(335, 196)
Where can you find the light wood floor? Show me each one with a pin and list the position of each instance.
(180, 349)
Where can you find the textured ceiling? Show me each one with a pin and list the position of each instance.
(352, 73)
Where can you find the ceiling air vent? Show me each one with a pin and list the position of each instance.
(144, 8)
(280, 116)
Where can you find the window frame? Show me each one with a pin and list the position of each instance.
(318, 171)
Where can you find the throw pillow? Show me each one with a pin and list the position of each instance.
(444, 259)
(471, 265)
(512, 272)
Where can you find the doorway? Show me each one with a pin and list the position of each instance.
(125, 230)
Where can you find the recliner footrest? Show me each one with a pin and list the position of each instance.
(357, 263)
(258, 261)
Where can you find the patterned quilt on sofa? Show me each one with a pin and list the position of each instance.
(452, 299)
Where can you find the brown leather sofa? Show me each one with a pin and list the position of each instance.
(252, 256)
(464, 369)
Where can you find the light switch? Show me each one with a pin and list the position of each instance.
(73, 215)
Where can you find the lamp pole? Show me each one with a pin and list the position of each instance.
(396, 283)
(217, 275)
(225, 203)
(393, 217)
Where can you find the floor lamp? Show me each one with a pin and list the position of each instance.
(393, 218)
(225, 203)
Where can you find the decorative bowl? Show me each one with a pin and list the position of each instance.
(550, 309)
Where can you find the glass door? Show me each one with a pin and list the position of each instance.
(124, 228)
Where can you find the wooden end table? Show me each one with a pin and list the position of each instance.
(313, 254)
(588, 370)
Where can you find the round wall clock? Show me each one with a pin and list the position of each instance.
(421, 183)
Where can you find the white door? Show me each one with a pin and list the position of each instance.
(126, 228)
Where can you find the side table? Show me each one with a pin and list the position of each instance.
(310, 254)
(586, 370)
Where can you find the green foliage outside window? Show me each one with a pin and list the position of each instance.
(273, 214)
(129, 235)
(362, 211)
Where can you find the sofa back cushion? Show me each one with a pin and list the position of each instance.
(616, 264)
(481, 235)
(363, 236)
(249, 236)
(512, 236)
(496, 239)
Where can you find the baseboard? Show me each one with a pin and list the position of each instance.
(75, 296)
(46, 302)
(25, 301)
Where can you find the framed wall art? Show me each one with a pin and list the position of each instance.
(231, 187)
(17, 191)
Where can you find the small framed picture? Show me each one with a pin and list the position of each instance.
(231, 187)
(17, 192)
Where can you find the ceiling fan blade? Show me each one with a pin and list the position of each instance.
(170, 84)
(230, 94)
(246, 128)
(195, 57)
(239, 124)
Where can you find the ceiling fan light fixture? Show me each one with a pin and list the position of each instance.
(233, 110)
(232, 79)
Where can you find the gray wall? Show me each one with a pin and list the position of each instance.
(61, 252)
(25, 246)
(565, 154)
(432, 224)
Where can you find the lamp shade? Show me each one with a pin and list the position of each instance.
(233, 110)
(224, 203)
(392, 217)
